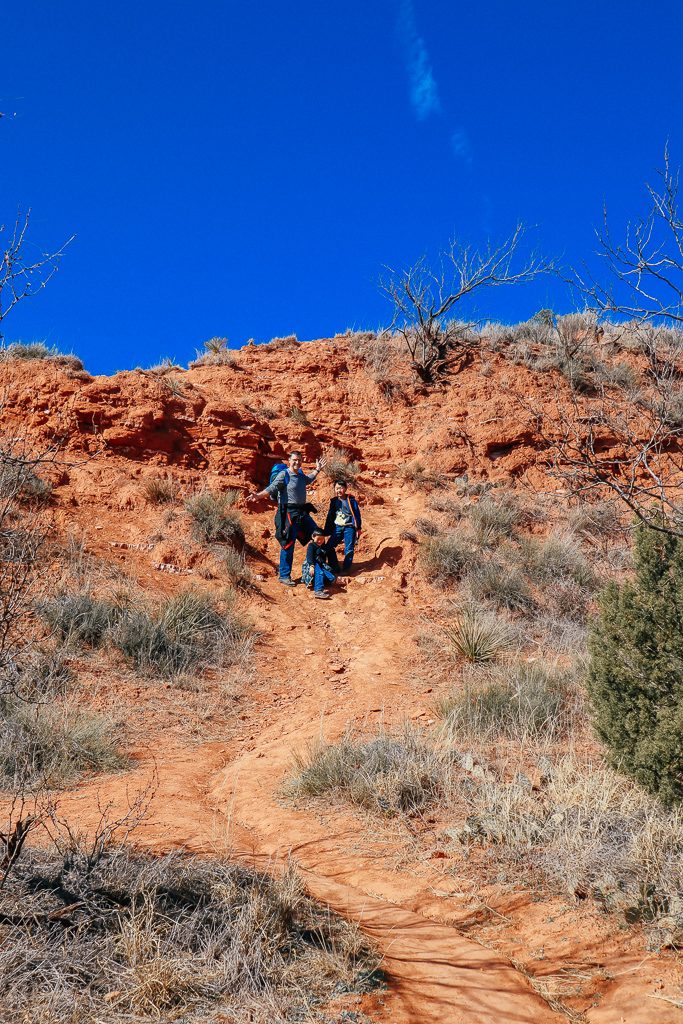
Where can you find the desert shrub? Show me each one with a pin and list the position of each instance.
(80, 618)
(38, 350)
(503, 584)
(420, 476)
(392, 774)
(45, 674)
(478, 636)
(52, 744)
(427, 527)
(600, 520)
(495, 516)
(588, 832)
(186, 633)
(340, 465)
(286, 341)
(159, 490)
(568, 601)
(169, 939)
(164, 366)
(18, 481)
(529, 702)
(636, 669)
(446, 503)
(381, 359)
(235, 566)
(214, 518)
(446, 557)
(297, 415)
(617, 375)
(216, 353)
(556, 558)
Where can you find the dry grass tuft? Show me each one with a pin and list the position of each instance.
(160, 490)
(214, 519)
(341, 466)
(446, 557)
(391, 774)
(50, 745)
(169, 939)
(527, 702)
(187, 632)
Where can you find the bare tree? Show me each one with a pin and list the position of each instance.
(424, 299)
(632, 444)
(23, 275)
(605, 441)
(646, 269)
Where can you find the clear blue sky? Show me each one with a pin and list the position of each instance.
(246, 169)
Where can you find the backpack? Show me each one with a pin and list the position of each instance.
(278, 468)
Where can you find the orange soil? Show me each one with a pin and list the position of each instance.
(455, 949)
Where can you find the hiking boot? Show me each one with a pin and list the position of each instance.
(287, 581)
(322, 595)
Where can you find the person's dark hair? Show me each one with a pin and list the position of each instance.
(340, 483)
(296, 453)
(317, 533)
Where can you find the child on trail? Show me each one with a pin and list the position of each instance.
(293, 519)
(343, 525)
(316, 569)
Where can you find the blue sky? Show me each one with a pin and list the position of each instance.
(246, 170)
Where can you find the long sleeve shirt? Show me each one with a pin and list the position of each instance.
(295, 485)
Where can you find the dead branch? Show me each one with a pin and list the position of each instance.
(423, 299)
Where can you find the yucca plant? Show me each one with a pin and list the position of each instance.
(216, 345)
(478, 636)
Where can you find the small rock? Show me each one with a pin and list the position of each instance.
(309, 650)
(523, 781)
(336, 666)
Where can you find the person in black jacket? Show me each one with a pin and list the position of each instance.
(316, 568)
(343, 526)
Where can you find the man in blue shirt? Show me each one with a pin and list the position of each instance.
(293, 520)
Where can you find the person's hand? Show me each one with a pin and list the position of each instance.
(252, 497)
(320, 463)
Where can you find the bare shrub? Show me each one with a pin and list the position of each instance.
(446, 557)
(297, 415)
(216, 353)
(235, 566)
(339, 465)
(420, 476)
(80, 618)
(38, 350)
(159, 490)
(50, 745)
(125, 936)
(556, 558)
(391, 774)
(503, 584)
(528, 702)
(189, 631)
(478, 636)
(214, 518)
